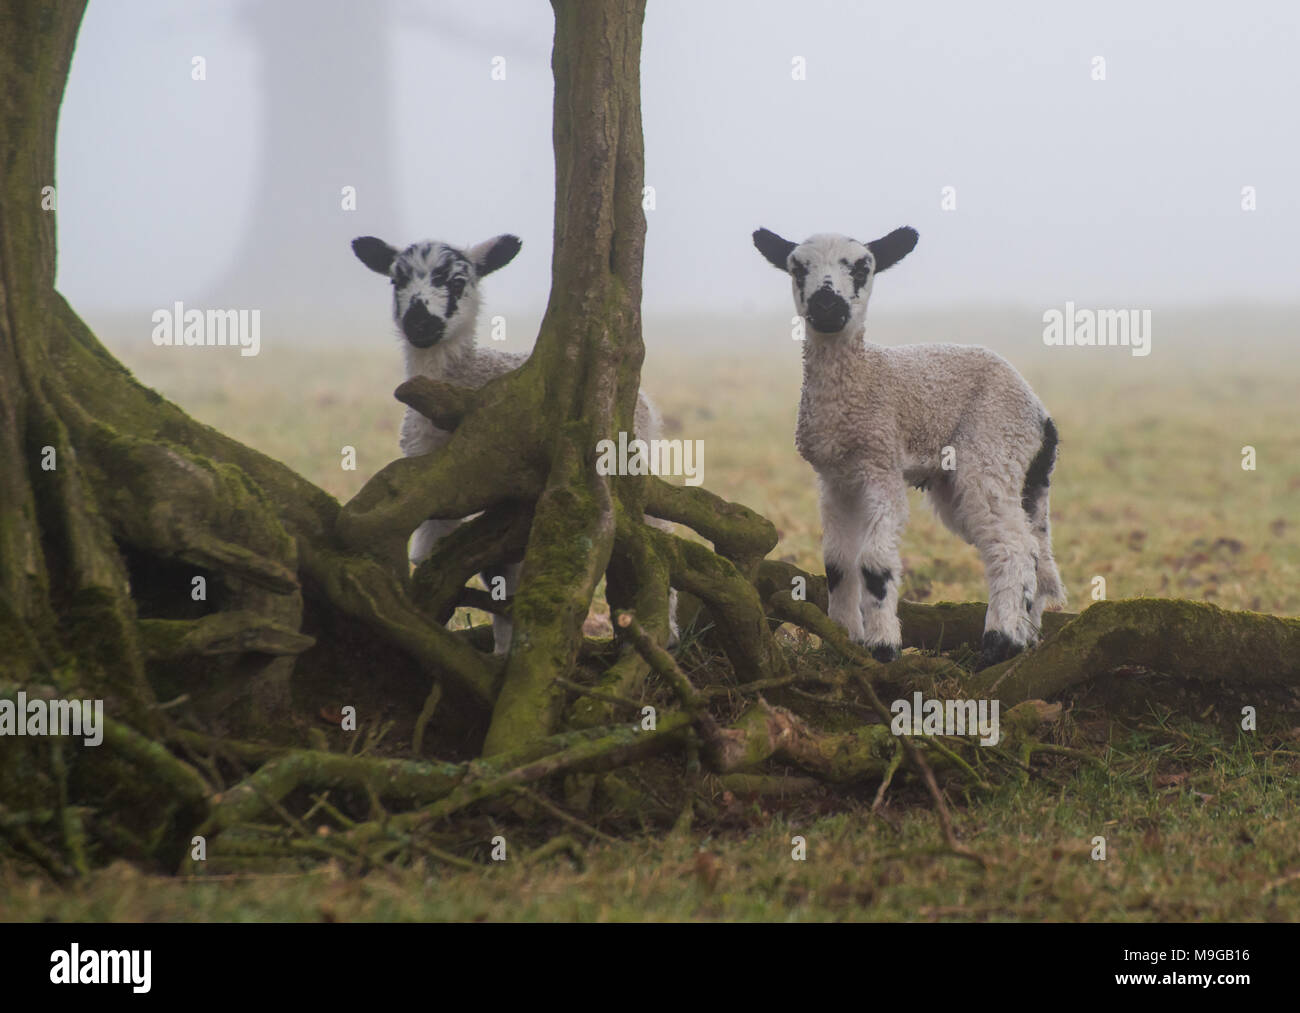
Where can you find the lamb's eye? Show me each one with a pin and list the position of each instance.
(456, 286)
(798, 271)
(400, 277)
(860, 272)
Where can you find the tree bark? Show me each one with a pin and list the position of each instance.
(588, 353)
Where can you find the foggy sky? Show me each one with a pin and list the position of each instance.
(1117, 193)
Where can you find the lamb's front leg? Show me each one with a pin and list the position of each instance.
(861, 525)
(420, 436)
(427, 536)
(880, 567)
(843, 530)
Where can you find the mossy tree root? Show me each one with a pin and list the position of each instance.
(732, 601)
(494, 456)
(1194, 641)
(637, 579)
(736, 531)
(366, 590)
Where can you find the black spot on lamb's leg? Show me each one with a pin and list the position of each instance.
(997, 647)
(833, 576)
(877, 582)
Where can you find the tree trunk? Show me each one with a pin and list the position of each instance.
(588, 354)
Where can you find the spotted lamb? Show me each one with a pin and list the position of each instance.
(436, 300)
(955, 420)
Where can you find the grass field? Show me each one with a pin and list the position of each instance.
(1149, 494)
(1198, 827)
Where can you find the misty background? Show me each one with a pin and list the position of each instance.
(1123, 192)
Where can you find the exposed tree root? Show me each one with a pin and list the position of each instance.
(736, 531)
(234, 632)
(1195, 641)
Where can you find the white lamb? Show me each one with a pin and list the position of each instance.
(955, 420)
(436, 301)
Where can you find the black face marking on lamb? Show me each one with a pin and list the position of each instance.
(877, 581)
(885, 653)
(833, 576)
(799, 272)
(859, 272)
(828, 312)
(451, 263)
(421, 327)
(452, 273)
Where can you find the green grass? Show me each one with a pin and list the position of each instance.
(1198, 826)
(1200, 820)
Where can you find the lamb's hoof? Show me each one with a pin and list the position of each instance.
(885, 653)
(996, 648)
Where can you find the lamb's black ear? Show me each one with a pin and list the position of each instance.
(889, 250)
(774, 248)
(494, 253)
(374, 253)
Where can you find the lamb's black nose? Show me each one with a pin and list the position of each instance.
(421, 327)
(827, 312)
